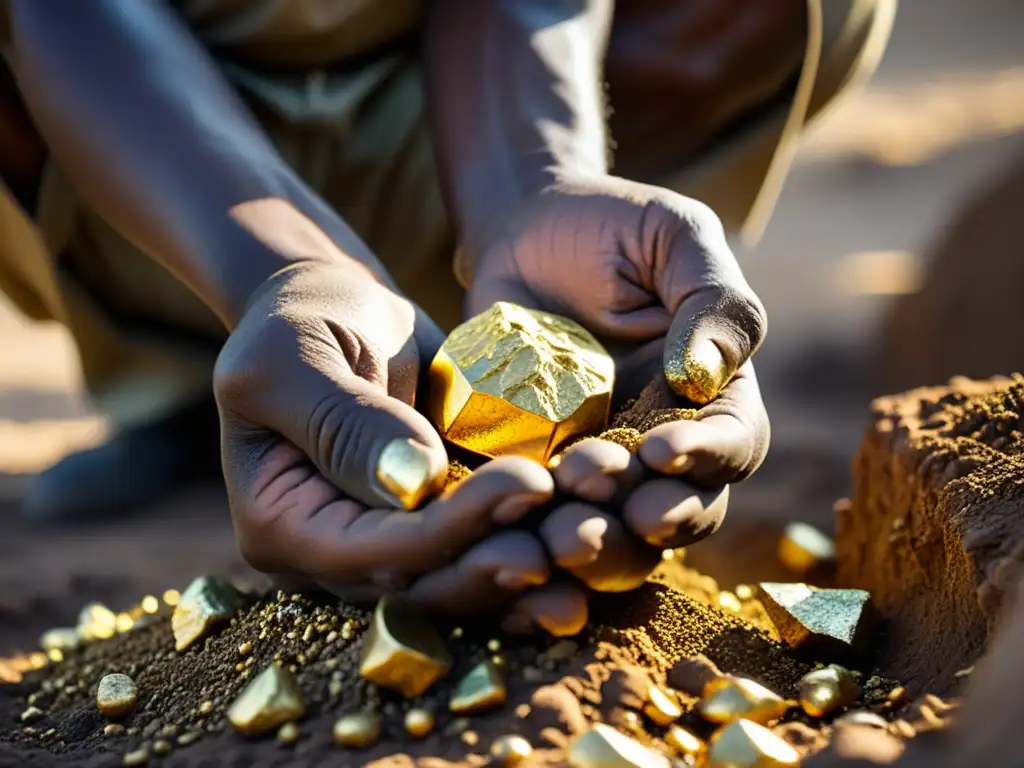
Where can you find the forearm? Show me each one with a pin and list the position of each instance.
(516, 99)
(142, 122)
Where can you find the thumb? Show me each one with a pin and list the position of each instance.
(717, 320)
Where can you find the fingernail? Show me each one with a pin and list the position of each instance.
(518, 579)
(512, 509)
(403, 470)
(697, 371)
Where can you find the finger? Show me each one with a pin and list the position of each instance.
(559, 609)
(726, 443)
(485, 577)
(670, 513)
(718, 322)
(596, 548)
(298, 521)
(595, 470)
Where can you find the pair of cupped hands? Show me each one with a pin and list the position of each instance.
(317, 383)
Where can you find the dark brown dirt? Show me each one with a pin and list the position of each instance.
(936, 521)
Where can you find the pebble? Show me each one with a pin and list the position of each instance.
(116, 695)
(161, 747)
(187, 738)
(510, 751)
(289, 733)
(31, 714)
(357, 730)
(206, 708)
(114, 729)
(138, 757)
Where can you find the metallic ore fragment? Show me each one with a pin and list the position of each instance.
(403, 651)
(267, 703)
(833, 622)
(206, 604)
(744, 744)
(604, 747)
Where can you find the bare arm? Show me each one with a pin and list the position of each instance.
(139, 117)
(516, 95)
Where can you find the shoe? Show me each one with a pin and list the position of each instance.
(135, 468)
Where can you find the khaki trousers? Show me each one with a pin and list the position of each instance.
(146, 343)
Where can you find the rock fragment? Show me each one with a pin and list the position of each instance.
(357, 730)
(827, 622)
(402, 650)
(604, 747)
(482, 689)
(116, 695)
(745, 744)
(207, 603)
(267, 703)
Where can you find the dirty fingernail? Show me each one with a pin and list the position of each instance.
(697, 371)
(404, 471)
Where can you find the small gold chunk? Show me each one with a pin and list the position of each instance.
(419, 722)
(150, 604)
(289, 733)
(685, 743)
(403, 651)
(604, 747)
(510, 751)
(828, 621)
(61, 639)
(482, 689)
(745, 744)
(729, 698)
(116, 695)
(824, 691)
(96, 622)
(518, 381)
(206, 604)
(171, 597)
(661, 708)
(136, 758)
(357, 730)
(803, 547)
(272, 699)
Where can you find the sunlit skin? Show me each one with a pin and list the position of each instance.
(324, 353)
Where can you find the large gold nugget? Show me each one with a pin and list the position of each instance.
(521, 382)
(727, 699)
(744, 744)
(403, 651)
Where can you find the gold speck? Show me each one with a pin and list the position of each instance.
(494, 645)
(824, 691)
(897, 694)
(113, 729)
(245, 648)
(150, 604)
(288, 733)
(161, 747)
(964, 672)
(96, 622)
(668, 554)
(480, 690)
(171, 597)
(206, 708)
(510, 751)
(59, 639)
(123, 623)
(31, 714)
(744, 592)
(729, 601)
(56, 655)
(456, 633)
(116, 695)
(357, 730)
(419, 722)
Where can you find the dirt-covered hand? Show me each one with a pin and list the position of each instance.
(651, 275)
(325, 456)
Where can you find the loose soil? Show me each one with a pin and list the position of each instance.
(673, 631)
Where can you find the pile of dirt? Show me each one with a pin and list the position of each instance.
(935, 530)
(556, 689)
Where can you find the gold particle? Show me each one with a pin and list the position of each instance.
(124, 623)
(744, 592)
(113, 729)
(684, 743)
(824, 691)
(55, 655)
(402, 650)
(661, 708)
(456, 633)
(161, 747)
(288, 733)
(604, 747)
(206, 708)
(31, 714)
(245, 648)
(138, 757)
(668, 554)
(510, 751)
(150, 604)
(729, 601)
(59, 639)
(357, 730)
(171, 597)
(419, 722)
(745, 744)
(470, 738)
(494, 645)
(729, 698)
(897, 694)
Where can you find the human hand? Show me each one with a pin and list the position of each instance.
(324, 454)
(650, 273)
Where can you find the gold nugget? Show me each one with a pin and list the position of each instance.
(824, 691)
(357, 730)
(661, 708)
(745, 744)
(116, 695)
(604, 747)
(510, 751)
(517, 381)
(96, 622)
(685, 743)
(206, 604)
(482, 689)
(419, 722)
(267, 703)
(403, 651)
(729, 698)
